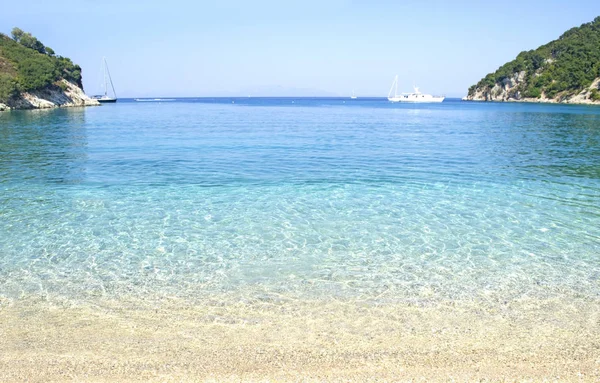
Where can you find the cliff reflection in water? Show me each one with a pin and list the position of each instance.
(43, 145)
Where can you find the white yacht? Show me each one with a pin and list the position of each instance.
(416, 96)
(353, 95)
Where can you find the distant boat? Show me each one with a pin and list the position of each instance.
(353, 95)
(105, 98)
(416, 96)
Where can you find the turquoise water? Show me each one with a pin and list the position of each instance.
(313, 197)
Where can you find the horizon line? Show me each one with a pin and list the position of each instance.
(333, 97)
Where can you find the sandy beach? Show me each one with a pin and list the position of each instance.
(285, 339)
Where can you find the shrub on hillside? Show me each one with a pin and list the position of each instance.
(8, 87)
(36, 69)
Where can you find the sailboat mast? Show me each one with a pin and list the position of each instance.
(109, 78)
(104, 77)
(395, 83)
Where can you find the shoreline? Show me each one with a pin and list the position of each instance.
(9, 109)
(590, 103)
(223, 339)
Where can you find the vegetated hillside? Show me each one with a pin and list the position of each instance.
(28, 70)
(564, 70)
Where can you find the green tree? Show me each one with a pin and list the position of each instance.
(27, 40)
(16, 34)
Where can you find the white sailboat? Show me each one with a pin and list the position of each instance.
(353, 95)
(105, 98)
(416, 96)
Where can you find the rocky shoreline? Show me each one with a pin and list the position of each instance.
(66, 94)
(509, 91)
(537, 101)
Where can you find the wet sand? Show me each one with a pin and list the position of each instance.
(299, 340)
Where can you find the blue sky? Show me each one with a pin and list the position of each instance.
(327, 47)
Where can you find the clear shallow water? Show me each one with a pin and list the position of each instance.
(316, 197)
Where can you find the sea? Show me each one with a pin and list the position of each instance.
(311, 198)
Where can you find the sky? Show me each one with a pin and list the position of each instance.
(292, 48)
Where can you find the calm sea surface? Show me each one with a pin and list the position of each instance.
(325, 198)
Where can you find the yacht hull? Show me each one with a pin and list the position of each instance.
(106, 100)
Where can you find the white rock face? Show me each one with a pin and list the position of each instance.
(506, 91)
(52, 98)
(584, 96)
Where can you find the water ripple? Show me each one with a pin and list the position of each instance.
(455, 201)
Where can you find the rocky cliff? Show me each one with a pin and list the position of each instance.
(50, 97)
(32, 76)
(510, 89)
(566, 70)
